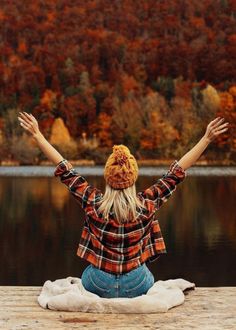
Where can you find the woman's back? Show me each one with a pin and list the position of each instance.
(113, 246)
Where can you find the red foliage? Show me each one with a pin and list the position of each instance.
(120, 49)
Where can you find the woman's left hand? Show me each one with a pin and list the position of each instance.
(29, 123)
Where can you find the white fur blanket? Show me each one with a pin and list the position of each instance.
(68, 294)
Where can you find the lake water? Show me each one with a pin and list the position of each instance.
(41, 223)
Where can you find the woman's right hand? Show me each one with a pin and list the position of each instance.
(215, 128)
(30, 124)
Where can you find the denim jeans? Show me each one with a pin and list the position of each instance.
(107, 285)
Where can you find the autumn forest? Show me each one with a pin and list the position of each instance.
(147, 73)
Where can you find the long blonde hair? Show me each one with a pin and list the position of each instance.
(123, 202)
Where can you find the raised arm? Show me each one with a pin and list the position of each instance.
(85, 194)
(162, 189)
(214, 128)
(30, 124)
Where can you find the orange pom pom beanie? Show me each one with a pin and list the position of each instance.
(121, 168)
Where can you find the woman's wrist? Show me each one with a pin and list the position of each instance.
(206, 139)
(38, 136)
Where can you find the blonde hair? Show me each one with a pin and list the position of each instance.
(123, 202)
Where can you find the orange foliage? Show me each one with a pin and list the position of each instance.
(128, 84)
(198, 22)
(232, 91)
(48, 99)
(104, 132)
(14, 61)
(158, 132)
(22, 48)
(97, 61)
(228, 111)
(2, 15)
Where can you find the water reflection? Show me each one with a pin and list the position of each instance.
(40, 227)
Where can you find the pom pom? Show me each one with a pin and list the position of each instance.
(120, 155)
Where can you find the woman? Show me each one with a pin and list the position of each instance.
(120, 232)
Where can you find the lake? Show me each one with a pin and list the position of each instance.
(41, 223)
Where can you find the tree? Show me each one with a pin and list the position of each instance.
(60, 137)
(104, 130)
(126, 123)
(228, 111)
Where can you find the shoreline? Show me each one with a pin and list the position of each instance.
(141, 163)
(98, 170)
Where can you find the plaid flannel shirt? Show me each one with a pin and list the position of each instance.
(113, 247)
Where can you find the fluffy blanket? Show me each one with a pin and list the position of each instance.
(68, 294)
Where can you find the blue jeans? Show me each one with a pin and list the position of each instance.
(107, 285)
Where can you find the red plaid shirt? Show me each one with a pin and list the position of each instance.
(113, 247)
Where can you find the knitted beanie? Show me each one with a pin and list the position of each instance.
(121, 168)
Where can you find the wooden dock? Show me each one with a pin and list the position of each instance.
(204, 308)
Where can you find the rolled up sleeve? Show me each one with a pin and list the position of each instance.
(78, 186)
(162, 189)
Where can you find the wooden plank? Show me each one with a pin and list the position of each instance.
(204, 308)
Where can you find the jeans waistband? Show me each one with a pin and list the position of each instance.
(121, 274)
